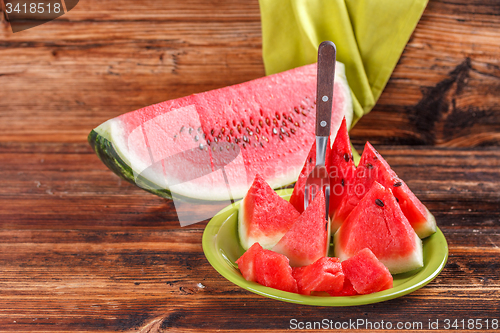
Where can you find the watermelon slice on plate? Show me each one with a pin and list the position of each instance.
(372, 167)
(309, 237)
(366, 273)
(210, 146)
(273, 270)
(246, 262)
(378, 223)
(347, 289)
(264, 216)
(341, 168)
(325, 274)
(267, 268)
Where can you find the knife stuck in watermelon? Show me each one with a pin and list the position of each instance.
(208, 147)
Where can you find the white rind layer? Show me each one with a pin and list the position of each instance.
(428, 227)
(399, 265)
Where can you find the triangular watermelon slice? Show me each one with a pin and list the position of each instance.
(372, 167)
(378, 223)
(325, 274)
(264, 216)
(366, 273)
(341, 168)
(309, 237)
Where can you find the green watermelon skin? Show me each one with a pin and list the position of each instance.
(269, 122)
(377, 223)
(107, 153)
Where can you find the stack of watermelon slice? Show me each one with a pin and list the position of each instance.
(376, 220)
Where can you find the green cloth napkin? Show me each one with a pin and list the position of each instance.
(370, 36)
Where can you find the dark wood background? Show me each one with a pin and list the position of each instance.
(82, 250)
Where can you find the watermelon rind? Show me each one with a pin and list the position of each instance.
(110, 156)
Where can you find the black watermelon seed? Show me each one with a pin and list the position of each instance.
(196, 138)
(208, 141)
(244, 145)
(296, 109)
(342, 182)
(262, 145)
(275, 131)
(310, 159)
(182, 129)
(369, 166)
(239, 128)
(231, 132)
(219, 136)
(228, 138)
(257, 130)
(397, 199)
(277, 116)
(215, 140)
(346, 157)
(199, 129)
(281, 137)
(245, 138)
(283, 123)
(190, 130)
(261, 123)
(251, 122)
(379, 202)
(212, 132)
(289, 119)
(282, 130)
(268, 122)
(292, 130)
(223, 130)
(398, 184)
(275, 122)
(326, 226)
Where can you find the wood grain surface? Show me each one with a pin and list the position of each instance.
(83, 251)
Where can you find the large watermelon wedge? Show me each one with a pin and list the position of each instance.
(210, 146)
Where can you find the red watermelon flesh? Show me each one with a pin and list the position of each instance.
(273, 270)
(264, 216)
(347, 289)
(325, 274)
(366, 273)
(309, 237)
(247, 260)
(297, 198)
(342, 169)
(210, 146)
(378, 223)
(373, 167)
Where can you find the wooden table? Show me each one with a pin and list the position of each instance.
(81, 250)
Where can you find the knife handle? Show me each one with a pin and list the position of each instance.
(324, 91)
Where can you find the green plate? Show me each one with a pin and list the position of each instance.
(222, 248)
